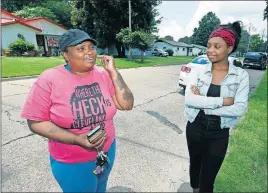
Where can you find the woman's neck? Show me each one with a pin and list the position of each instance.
(80, 73)
(77, 72)
(221, 65)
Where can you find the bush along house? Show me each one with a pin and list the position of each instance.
(39, 31)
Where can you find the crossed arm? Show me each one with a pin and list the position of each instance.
(218, 105)
(239, 106)
(198, 101)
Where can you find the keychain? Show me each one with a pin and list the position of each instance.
(102, 159)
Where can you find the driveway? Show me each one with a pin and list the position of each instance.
(151, 146)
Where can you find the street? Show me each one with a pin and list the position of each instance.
(151, 146)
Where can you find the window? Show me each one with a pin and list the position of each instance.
(183, 49)
(253, 55)
(190, 49)
(178, 49)
(200, 60)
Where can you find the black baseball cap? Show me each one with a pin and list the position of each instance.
(73, 37)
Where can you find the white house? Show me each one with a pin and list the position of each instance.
(40, 31)
(179, 48)
(198, 49)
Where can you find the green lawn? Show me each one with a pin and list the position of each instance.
(245, 167)
(26, 66)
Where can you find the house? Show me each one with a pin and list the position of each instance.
(179, 48)
(198, 49)
(41, 32)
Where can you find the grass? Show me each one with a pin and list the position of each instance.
(245, 166)
(27, 66)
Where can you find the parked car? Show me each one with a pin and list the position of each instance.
(200, 63)
(236, 61)
(159, 52)
(255, 59)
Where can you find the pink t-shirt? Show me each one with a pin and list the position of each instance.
(73, 102)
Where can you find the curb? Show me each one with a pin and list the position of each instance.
(19, 78)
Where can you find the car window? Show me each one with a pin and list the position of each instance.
(253, 55)
(200, 60)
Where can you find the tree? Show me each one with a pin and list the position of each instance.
(186, 39)
(263, 47)
(124, 36)
(142, 40)
(168, 38)
(62, 10)
(265, 13)
(30, 12)
(104, 19)
(15, 5)
(206, 25)
(137, 39)
(256, 43)
(243, 44)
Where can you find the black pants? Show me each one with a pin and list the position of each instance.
(207, 145)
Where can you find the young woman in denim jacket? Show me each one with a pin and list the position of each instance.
(215, 97)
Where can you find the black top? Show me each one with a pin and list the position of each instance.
(213, 91)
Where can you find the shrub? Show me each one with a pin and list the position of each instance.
(19, 47)
(170, 52)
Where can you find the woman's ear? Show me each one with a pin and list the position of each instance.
(65, 56)
(230, 49)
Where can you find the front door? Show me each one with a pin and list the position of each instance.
(41, 44)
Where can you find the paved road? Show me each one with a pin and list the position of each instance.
(151, 146)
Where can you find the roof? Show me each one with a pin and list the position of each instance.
(19, 22)
(11, 15)
(174, 43)
(15, 20)
(199, 46)
(7, 21)
(44, 18)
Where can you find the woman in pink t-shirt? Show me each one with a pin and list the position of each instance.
(66, 102)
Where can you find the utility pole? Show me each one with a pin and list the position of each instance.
(262, 40)
(249, 37)
(262, 34)
(250, 27)
(129, 25)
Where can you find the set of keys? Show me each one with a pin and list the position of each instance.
(102, 159)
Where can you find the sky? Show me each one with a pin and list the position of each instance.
(181, 17)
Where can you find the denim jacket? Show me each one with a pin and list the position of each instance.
(235, 84)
